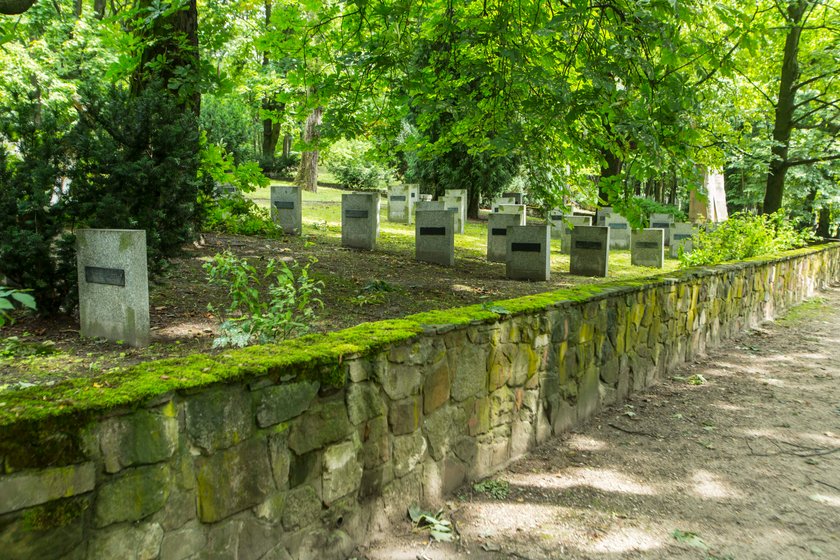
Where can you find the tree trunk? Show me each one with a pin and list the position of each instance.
(99, 8)
(15, 7)
(307, 176)
(287, 146)
(610, 169)
(472, 203)
(785, 107)
(824, 222)
(271, 128)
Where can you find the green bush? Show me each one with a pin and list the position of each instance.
(349, 162)
(250, 317)
(742, 236)
(8, 297)
(237, 215)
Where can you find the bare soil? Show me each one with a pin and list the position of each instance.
(734, 456)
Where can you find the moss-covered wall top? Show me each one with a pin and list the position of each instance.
(319, 357)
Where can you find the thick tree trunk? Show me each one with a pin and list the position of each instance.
(610, 169)
(287, 146)
(472, 203)
(785, 107)
(824, 222)
(15, 7)
(99, 8)
(307, 176)
(271, 128)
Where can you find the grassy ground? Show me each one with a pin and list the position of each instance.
(358, 286)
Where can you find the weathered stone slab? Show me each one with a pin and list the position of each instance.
(113, 284)
(516, 209)
(31, 488)
(283, 402)
(590, 251)
(325, 422)
(664, 222)
(401, 201)
(681, 237)
(457, 198)
(602, 214)
(434, 237)
(342, 471)
(497, 225)
(233, 480)
(219, 419)
(286, 209)
(429, 205)
(619, 231)
(528, 253)
(140, 438)
(647, 247)
(360, 220)
(133, 495)
(562, 226)
(507, 198)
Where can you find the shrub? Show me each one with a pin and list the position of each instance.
(348, 161)
(238, 215)
(250, 316)
(742, 236)
(8, 297)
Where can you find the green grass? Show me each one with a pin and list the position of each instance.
(809, 309)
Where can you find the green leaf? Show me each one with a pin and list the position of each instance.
(25, 299)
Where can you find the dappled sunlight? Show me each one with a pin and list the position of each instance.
(181, 329)
(607, 480)
(728, 406)
(625, 539)
(833, 501)
(709, 485)
(774, 382)
(582, 442)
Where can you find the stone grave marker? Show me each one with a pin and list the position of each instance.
(434, 237)
(590, 251)
(360, 220)
(528, 253)
(602, 214)
(681, 237)
(647, 247)
(113, 284)
(286, 209)
(619, 231)
(401, 200)
(564, 226)
(456, 204)
(506, 198)
(497, 225)
(424, 197)
(516, 209)
(430, 205)
(663, 221)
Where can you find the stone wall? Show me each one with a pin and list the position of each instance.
(268, 468)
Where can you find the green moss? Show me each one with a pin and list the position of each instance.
(317, 357)
(54, 514)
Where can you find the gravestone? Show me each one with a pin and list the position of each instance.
(681, 237)
(602, 214)
(434, 237)
(564, 227)
(506, 198)
(286, 209)
(590, 251)
(401, 201)
(647, 247)
(619, 231)
(663, 221)
(516, 209)
(709, 203)
(113, 284)
(459, 196)
(430, 205)
(497, 225)
(528, 253)
(360, 220)
(424, 197)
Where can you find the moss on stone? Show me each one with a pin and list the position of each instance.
(58, 513)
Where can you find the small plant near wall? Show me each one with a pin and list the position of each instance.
(8, 298)
(275, 304)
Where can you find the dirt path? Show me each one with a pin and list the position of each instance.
(735, 456)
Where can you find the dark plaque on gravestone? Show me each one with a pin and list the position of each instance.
(664, 225)
(647, 245)
(284, 205)
(681, 236)
(499, 231)
(588, 244)
(526, 247)
(618, 226)
(432, 231)
(413, 195)
(355, 213)
(456, 209)
(557, 217)
(398, 198)
(108, 276)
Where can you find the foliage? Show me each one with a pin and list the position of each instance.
(743, 236)
(8, 297)
(498, 489)
(440, 528)
(349, 162)
(251, 317)
(220, 166)
(239, 215)
(228, 122)
(639, 209)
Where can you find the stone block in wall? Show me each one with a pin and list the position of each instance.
(324, 423)
(271, 510)
(375, 479)
(436, 387)
(132, 542)
(232, 480)
(522, 438)
(140, 438)
(501, 407)
(34, 487)
(376, 442)
(132, 495)
(184, 542)
(342, 472)
(303, 507)
(398, 380)
(492, 452)
(479, 419)
(179, 510)
(443, 429)
(409, 451)
(468, 367)
(48, 532)
(283, 402)
(364, 402)
(219, 419)
(278, 454)
(404, 415)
